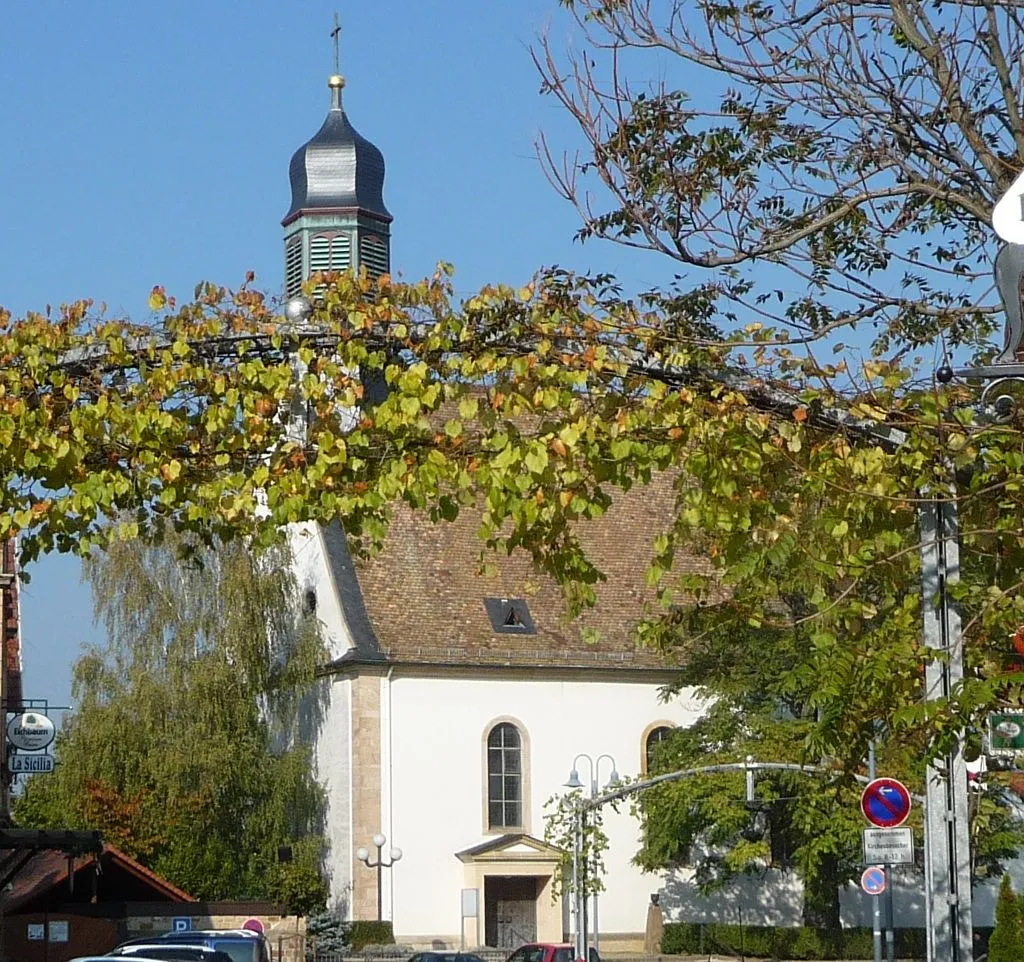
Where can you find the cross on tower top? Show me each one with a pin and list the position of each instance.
(335, 34)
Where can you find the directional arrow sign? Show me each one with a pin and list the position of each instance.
(885, 802)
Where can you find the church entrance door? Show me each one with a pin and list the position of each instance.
(510, 909)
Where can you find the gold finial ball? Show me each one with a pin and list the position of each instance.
(336, 81)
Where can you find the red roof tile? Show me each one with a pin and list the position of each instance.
(48, 869)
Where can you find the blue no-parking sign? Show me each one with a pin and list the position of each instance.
(181, 924)
(872, 880)
(885, 802)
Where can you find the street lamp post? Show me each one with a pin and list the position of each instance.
(380, 864)
(580, 873)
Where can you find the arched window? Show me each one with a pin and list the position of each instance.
(654, 737)
(504, 777)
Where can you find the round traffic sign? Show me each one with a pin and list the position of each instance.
(885, 802)
(872, 880)
(253, 925)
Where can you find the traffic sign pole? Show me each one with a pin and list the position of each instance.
(890, 931)
(876, 902)
(946, 840)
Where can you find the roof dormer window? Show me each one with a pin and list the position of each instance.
(509, 616)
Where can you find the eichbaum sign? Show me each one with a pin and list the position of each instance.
(30, 731)
(1006, 733)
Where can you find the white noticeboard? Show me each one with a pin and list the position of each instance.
(36, 931)
(888, 846)
(470, 903)
(59, 931)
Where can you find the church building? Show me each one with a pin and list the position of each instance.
(456, 705)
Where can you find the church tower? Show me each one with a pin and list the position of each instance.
(337, 220)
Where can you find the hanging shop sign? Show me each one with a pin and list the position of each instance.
(30, 731)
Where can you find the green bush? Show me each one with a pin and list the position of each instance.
(364, 932)
(797, 943)
(1005, 944)
(326, 934)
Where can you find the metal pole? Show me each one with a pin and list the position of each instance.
(890, 932)
(876, 901)
(577, 892)
(380, 886)
(6, 579)
(929, 887)
(593, 795)
(947, 841)
(583, 885)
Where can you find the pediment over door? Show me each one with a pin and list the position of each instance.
(511, 848)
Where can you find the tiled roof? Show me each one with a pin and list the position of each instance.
(48, 869)
(424, 597)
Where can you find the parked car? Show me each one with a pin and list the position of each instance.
(106, 958)
(549, 952)
(147, 948)
(445, 957)
(242, 945)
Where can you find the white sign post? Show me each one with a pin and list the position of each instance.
(470, 910)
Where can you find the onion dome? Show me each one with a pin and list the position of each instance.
(337, 169)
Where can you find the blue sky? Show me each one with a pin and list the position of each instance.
(149, 144)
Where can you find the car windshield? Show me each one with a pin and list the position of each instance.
(528, 953)
(169, 952)
(240, 950)
(173, 953)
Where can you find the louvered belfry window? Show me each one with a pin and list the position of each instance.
(329, 251)
(504, 777)
(293, 266)
(373, 254)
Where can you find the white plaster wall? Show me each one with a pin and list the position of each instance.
(333, 757)
(434, 780)
(311, 571)
(330, 710)
(777, 899)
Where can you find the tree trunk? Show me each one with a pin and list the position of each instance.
(821, 901)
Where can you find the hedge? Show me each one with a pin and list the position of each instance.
(370, 932)
(796, 942)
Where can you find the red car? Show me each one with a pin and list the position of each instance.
(549, 952)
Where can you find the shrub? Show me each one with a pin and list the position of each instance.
(797, 943)
(365, 932)
(326, 934)
(1005, 944)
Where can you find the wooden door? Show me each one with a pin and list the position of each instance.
(510, 910)
(517, 922)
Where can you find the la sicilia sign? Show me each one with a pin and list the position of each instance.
(30, 731)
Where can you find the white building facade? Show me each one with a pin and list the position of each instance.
(454, 705)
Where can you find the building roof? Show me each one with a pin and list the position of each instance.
(421, 600)
(48, 869)
(337, 169)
